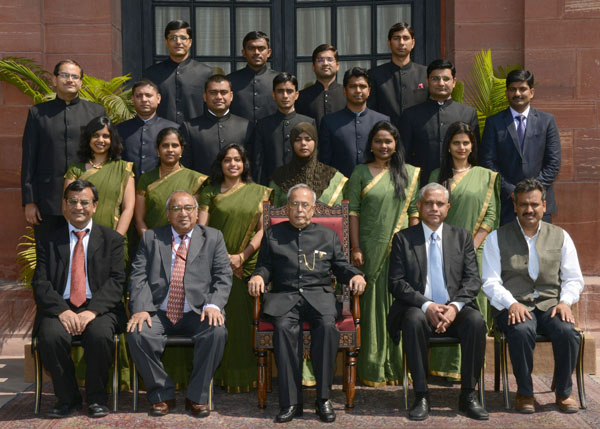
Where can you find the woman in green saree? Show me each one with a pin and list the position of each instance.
(101, 164)
(233, 204)
(475, 206)
(153, 189)
(382, 195)
(326, 181)
(155, 186)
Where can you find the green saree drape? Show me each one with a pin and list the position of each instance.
(331, 196)
(475, 204)
(380, 215)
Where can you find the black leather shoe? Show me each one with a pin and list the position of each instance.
(287, 414)
(468, 404)
(96, 410)
(420, 408)
(60, 411)
(325, 410)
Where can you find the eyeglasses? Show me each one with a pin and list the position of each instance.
(174, 38)
(188, 208)
(69, 75)
(72, 202)
(322, 60)
(297, 204)
(438, 78)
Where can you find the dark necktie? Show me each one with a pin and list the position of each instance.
(437, 283)
(521, 130)
(176, 291)
(78, 271)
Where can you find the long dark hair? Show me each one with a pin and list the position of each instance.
(116, 145)
(216, 170)
(397, 169)
(447, 164)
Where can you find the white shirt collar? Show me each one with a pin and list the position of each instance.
(525, 235)
(224, 114)
(514, 113)
(176, 234)
(73, 229)
(428, 231)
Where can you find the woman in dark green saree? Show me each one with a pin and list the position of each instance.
(233, 204)
(475, 206)
(382, 195)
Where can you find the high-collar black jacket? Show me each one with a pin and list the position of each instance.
(252, 93)
(316, 102)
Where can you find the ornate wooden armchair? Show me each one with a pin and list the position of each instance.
(348, 324)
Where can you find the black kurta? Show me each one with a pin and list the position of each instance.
(252, 93)
(317, 102)
(299, 263)
(272, 146)
(343, 138)
(423, 128)
(139, 142)
(50, 144)
(181, 87)
(207, 134)
(395, 89)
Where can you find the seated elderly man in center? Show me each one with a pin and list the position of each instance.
(434, 279)
(298, 257)
(179, 285)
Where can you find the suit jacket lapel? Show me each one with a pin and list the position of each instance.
(447, 249)
(421, 252)
(165, 247)
(195, 245)
(530, 130)
(64, 251)
(512, 130)
(95, 242)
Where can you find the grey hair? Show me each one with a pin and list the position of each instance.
(181, 191)
(302, 186)
(433, 186)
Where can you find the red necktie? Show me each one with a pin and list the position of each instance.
(176, 291)
(78, 271)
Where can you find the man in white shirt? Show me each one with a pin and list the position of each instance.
(434, 279)
(179, 284)
(78, 285)
(534, 293)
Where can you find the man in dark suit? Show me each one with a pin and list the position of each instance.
(271, 147)
(180, 77)
(521, 142)
(434, 279)
(343, 134)
(423, 127)
(179, 285)
(298, 257)
(326, 95)
(139, 133)
(78, 285)
(253, 84)
(50, 144)
(399, 84)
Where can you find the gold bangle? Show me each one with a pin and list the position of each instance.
(242, 257)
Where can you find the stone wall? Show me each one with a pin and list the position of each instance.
(46, 31)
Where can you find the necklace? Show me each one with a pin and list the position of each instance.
(461, 170)
(97, 166)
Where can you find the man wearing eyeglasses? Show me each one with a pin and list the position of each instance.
(180, 77)
(423, 127)
(298, 257)
(399, 84)
(179, 284)
(50, 144)
(78, 285)
(326, 95)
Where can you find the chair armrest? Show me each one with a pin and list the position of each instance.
(356, 317)
(255, 319)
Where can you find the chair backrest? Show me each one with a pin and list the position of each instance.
(336, 218)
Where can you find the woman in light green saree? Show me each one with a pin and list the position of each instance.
(382, 195)
(100, 163)
(475, 206)
(153, 189)
(233, 205)
(326, 181)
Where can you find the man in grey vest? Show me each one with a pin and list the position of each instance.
(531, 275)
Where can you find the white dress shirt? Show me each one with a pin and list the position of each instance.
(174, 248)
(515, 114)
(500, 298)
(72, 242)
(428, 231)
